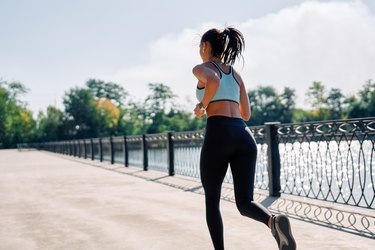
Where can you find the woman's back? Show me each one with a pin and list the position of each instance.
(231, 97)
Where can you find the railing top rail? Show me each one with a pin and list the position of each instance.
(188, 135)
(331, 121)
(157, 137)
(95, 140)
(118, 138)
(134, 138)
(336, 127)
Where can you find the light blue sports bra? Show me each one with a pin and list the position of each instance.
(229, 88)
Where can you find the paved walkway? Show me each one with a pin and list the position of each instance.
(48, 201)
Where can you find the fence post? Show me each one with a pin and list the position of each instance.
(81, 152)
(170, 148)
(112, 150)
(70, 148)
(85, 147)
(145, 155)
(100, 149)
(79, 148)
(74, 148)
(126, 153)
(92, 149)
(273, 158)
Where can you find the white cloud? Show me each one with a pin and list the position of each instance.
(329, 42)
(332, 42)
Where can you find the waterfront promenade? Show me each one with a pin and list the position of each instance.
(51, 201)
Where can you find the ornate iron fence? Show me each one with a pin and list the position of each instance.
(157, 151)
(118, 149)
(134, 148)
(187, 147)
(330, 161)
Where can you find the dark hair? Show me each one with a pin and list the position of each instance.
(227, 45)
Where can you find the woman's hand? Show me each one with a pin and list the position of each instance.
(199, 111)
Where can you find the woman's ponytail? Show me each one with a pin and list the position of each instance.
(235, 44)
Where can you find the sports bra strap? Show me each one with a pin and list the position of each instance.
(220, 70)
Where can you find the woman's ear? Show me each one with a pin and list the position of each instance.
(204, 47)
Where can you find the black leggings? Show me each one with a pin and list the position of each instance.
(229, 141)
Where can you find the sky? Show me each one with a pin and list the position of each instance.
(52, 46)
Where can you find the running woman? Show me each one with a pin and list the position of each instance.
(222, 96)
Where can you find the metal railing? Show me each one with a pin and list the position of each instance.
(331, 160)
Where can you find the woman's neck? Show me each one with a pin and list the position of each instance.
(214, 59)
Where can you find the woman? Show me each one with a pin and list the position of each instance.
(222, 96)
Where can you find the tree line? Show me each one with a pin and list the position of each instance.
(105, 109)
(268, 105)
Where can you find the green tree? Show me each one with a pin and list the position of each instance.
(136, 119)
(316, 95)
(158, 113)
(16, 122)
(336, 104)
(81, 114)
(268, 106)
(301, 115)
(317, 100)
(109, 116)
(4, 98)
(107, 90)
(364, 106)
(264, 104)
(50, 125)
(20, 125)
(288, 105)
(156, 106)
(161, 95)
(179, 120)
(113, 106)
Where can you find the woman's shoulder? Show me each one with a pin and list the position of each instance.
(200, 67)
(197, 69)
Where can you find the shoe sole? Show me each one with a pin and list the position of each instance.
(287, 241)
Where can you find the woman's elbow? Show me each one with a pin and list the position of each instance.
(245, 111)
(246, 115)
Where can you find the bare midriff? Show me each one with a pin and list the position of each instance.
(223, 108)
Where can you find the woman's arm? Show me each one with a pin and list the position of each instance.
(244, 105)
(211, 80)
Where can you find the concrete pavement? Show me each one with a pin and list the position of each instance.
(48, 201)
